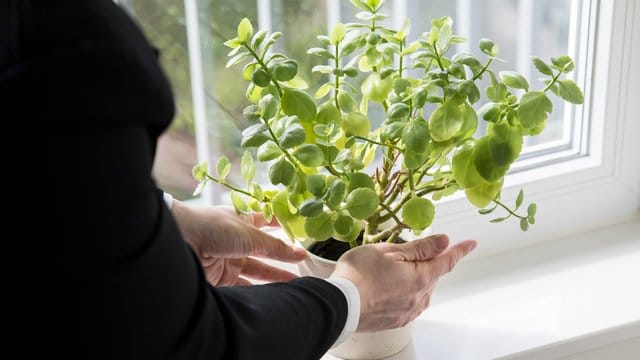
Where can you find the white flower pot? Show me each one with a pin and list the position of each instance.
(366, 345)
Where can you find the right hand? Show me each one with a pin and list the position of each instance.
(395, 281)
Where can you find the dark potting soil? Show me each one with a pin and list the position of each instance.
(332, 249)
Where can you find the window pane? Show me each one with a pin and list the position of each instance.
(163, 23)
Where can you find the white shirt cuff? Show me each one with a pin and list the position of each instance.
(352, 295)
(168, 199)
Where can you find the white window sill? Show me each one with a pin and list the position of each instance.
(572, 299)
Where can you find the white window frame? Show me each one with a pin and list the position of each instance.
(593, 183)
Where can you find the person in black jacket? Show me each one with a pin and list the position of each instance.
(99, 268)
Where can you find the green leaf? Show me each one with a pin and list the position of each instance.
(464, 170)
(444, 37)
(497, 220)
(469, 60)
(321, 52)
(542, 67)
(281, 172)
(316, 184)
(470, 124)
(223, 166)
(343, 225)
(483, 194)
(258, 38)
(569, 91)
(531, 220)
(445, 123)
(247, 167)
(524, 224)
(375, 88)
(292, 136)
(532, 209)
(309, 155)
(361, 5)
(534, 108)
(260, 78)
(200, 188)
(519, 199)
(563, 63)
(299, 103)
(200, 171)
(256, 190)
(514, 80)
(505, 144)
(356, 124)
(269, 106)
(488, 47)
(268, 151)
(347, 102)
(398, 111)
(319, 227)
(245, 30)
(416, 136)
(418, 213)
(337, 34)
(236, 59)
(267, 212)
(285, 70)
(238, 203)
(487, 211)
(337, 192)
(362, 203)
(232, 43)
(360, 180)
(254, 135)
(497, 92)
(323, 90)
(484, 162)
(328, 114)
(311, 208)
(413, 160)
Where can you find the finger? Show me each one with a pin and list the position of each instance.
(420, 250)
(446, 261)
(265, 245)
(258, 270)
(243, 282)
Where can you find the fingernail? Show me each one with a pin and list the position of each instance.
(300, 252)
(473, 245)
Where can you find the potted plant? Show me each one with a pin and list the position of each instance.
(342, 180)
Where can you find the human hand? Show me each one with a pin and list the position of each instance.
(227, 243)
(395, 281)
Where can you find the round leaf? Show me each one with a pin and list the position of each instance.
(418, 213)
(337, 34)
(293, 135)
(416, 136)
(483, 194)
(316, 184)
(268, 151)
(464, 170)
(375, 88)
(484, 162)
(514, 80)
(319, 227)
(569, 91)
(533, 109)
(355, 123)
(299, 103)
(281, 172)
(343, 225)
(360, 180)
(286, 70)
(260, 78)
(505, 144)
(446, 122)
(362, 203)
(247, 167)
(309, 155)
(311, 208)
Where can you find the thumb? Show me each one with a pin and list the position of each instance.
(422, 249)
(265, 245)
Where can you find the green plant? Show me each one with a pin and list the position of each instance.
(322, 150)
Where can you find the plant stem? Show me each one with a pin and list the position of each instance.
(378, 143)
(435, 52)
(486, 66)
(266, 69)
(508, 210)
(400, 62)
(336, 90)
(395, 217)
(226, 184)
(553, 81)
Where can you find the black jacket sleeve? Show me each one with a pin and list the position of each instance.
(102, 272)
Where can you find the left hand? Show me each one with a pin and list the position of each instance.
(227, 242)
